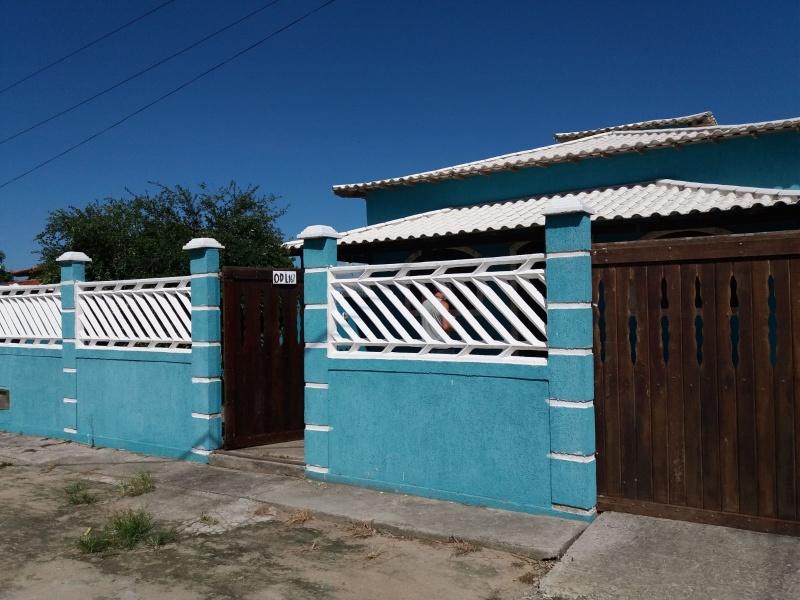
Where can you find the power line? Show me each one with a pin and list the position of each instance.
(137, 74)
(84, 47)
(168, 94)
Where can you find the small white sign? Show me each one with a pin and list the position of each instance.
(284, 277)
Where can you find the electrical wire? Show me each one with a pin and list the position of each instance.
(173, 91)
(84, 47)
(137, 74)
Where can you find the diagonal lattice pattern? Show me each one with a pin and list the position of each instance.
(476, 309)
(144, 313)
(30, 314)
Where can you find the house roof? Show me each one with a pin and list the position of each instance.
(608, 143)
(663, 197)
(696, 120)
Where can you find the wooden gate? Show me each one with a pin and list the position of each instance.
(262, 356)
(697, 374)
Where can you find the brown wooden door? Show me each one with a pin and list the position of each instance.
(262, 357)
(697, 375)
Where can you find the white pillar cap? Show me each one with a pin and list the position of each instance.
(78, 257)
(201, 243)
(319, 231)
(564, 205)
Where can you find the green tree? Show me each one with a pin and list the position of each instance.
(142, 235)
(4, 274)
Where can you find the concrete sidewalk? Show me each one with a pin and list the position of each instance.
(533, 536)
(629, 557)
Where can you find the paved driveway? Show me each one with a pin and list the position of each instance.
(623, 557)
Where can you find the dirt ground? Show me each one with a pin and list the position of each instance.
(236, 549)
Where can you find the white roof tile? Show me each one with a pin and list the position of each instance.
(696, 120)
(658, 198)
(601, 144)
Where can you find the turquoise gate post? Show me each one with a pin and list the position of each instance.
(319, 253)
(568, 243)
(73, 269)
(206, 403)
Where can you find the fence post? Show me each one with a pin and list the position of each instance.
(206, 403)
(73, 269)
(571, 365)
(319, 253)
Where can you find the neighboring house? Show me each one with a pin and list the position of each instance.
(655, 373)
(661, 178)
(27, 276)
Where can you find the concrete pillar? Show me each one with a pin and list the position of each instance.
(319, 253)
(73, 269)
(206, 403)
(570, 361)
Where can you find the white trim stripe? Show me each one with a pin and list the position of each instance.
(316, 386)
(206, 379)
(323, 428)
(67, 310)
(568, 305)
(316, 306)
(573, 254)
(566, 404)
(213, 274)
(316, 345)
(206, 344)
(70, 401)
(69, 370)
(70, 430)
(207, 417)
(578, 458)
(316, 469)
(317, 270)
(201, 451)
(204, 308)
(571, 351)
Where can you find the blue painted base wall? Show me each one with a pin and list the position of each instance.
(33, 377)
(138, 401)
(473, 433)
(133, 400)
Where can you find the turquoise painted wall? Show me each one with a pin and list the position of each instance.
(473, 432)
(33, 377)
(138, 401)
(771, 160)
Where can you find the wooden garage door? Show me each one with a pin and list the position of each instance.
(697, 372)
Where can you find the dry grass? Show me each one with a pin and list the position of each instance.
(264, 511)
(536, 570)
(374, 554)
(141, 483)
(461, 547)
(361, 529)
(207, 519)
(299, 517)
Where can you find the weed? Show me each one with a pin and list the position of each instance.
(78, 493)
(162, 537)
(361, 529)
(461, 547)
(124, 530)
(91, 543)
(374, 554)
(139, 484)
(207, 519)
(127, 528)
(299, 517)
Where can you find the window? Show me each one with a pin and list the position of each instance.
(5, 399)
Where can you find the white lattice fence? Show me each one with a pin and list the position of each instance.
(144, 313)
(484, 309)
(30, 314)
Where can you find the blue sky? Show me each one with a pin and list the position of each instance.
(363, 90)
